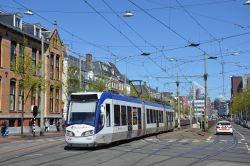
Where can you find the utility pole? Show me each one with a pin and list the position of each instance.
(42, 103)
(80, 71)
(205, 107)
(178, 102)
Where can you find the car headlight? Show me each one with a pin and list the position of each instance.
(70, 133)
(87, 133)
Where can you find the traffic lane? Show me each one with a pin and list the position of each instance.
(147, 151)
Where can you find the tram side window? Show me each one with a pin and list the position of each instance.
(151, 116)
(148, 116)
(154, 116)
(107, 115)
(117, 114)
(124, 115)
(139, 115)
(129, 115)
(160, 117)
(134, 116)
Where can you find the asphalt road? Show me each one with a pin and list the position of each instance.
(164, 149)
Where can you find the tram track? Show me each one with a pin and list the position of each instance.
(19, 153)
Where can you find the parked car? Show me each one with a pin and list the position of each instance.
(248, 125)
(224, 127)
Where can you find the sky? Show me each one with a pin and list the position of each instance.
(161, 29)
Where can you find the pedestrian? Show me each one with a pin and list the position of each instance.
(46, 125)
(4, 129)
(58, 125)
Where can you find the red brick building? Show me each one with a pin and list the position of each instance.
(13, 32)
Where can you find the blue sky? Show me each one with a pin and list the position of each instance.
(163, 28)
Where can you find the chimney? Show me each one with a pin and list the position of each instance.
(88, 58)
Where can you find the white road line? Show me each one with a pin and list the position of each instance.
(31, 155)
(209, 138)
(171, 140)
(196, 140)
(243, 139)
(184, 140)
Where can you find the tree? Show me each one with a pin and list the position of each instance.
(27, 73)
(72, 83)
(241, 102)
(98, 85)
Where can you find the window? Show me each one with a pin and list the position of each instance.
(39, 97)
(57, 67)
(107, 115)
(129, 115)
(139, 118)
(151, 116)
(40, 61)
(13, 55)
(17, 22)
(33, 61)
(51, 99)
(135, 116)
(12, 95)
(37, 32)
(51, 66)
(124, 115)
(21, 56)
(57, 100)
(20, 100)
(148, 116)
(33, 97)
(12, 123)
(117, 115)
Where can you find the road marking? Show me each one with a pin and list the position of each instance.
(171, 140)
(209, 138)
(31, 155)
(196, 140)
(243, 139)
(184, 140)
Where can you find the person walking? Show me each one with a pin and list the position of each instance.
(46, 125)
(58, 125)
(4, 129)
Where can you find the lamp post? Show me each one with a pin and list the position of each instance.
(178, 102)
(205, 107)
(42, 107)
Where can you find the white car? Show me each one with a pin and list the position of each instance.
(224, 127)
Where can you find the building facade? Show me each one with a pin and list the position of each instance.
(19, 39)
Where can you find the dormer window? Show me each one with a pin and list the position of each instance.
(17, 22)
(37, 31)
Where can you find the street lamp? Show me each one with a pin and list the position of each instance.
(28, 12)
(247, 2)
(177, 94)
(128, 14)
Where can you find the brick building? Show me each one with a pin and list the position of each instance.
(13, 33)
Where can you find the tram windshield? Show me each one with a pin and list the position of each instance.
(82, 113)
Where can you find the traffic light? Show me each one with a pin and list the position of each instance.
(35, 111)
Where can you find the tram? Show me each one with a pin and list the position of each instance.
(97, 118)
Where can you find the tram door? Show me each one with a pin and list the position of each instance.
(130, 125)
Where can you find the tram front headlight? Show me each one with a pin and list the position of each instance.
(87, 133)
(70, 133)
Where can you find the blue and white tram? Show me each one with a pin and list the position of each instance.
(96, 118)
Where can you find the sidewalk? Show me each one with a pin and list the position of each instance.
(29, 136)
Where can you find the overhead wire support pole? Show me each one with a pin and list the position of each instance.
(42, 104)
(205, 99)
(178, 102)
